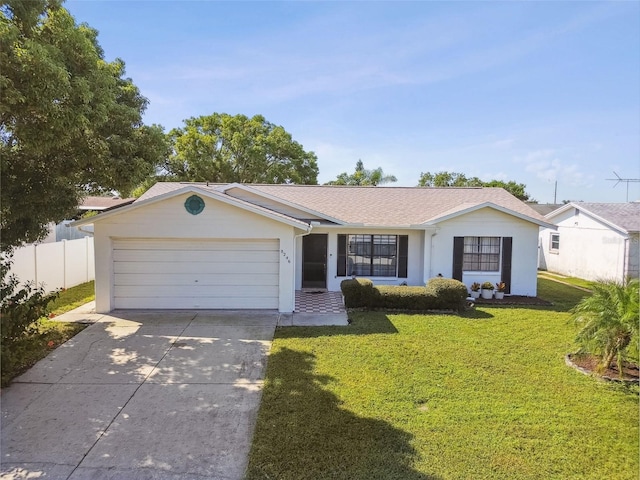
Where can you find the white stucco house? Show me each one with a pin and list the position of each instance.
(594, 241)
(196, 245)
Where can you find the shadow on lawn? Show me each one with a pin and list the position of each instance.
(368, 323)
(362, 323)
(303, 433)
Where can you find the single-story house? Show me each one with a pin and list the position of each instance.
(229, 246)
(594, 241)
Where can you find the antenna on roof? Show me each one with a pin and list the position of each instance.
(618, 180)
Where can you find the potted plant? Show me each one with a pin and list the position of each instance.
(487, 290)
(500, 288)
(475, 290)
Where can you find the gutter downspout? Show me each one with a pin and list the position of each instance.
(431, 254)
(625, 264)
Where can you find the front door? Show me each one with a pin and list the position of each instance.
(314, 261)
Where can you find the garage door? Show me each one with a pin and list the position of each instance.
(233, 274)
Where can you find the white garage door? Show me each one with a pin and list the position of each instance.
(234, 274)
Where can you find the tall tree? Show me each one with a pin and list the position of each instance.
(226, 148)
(362, 176)
(452, 179)
(70, 122)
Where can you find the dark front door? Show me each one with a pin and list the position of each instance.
(314, 261)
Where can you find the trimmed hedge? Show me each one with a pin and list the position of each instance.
(357, 292)
(450, 293)
(438, 294)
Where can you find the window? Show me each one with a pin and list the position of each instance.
(372, 255)
(554, 244)
(481, 254)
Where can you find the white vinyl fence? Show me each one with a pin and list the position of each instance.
(55, 265)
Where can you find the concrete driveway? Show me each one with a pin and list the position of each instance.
(141, 395)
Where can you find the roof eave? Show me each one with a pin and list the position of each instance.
(579, 207)
(438, 219)
(274, 198)
(294, 222)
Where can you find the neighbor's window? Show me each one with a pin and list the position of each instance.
(372, 255)
(554, 244)
(481, 254)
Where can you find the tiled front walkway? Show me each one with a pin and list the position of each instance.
(323, 302)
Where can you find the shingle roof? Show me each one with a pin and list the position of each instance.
(545, 208)
(623, 215)
(103, 203)
(380, 206)
(391, 206)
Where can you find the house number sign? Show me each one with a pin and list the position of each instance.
(194, 205)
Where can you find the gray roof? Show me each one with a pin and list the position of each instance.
(381, 206)
(545, 208)
(626, 216)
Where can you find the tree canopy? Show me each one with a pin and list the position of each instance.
(362, 176)
(226, 148)
(452, 179)
(70, 122)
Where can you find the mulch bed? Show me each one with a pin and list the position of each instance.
(513, 300)
(588, 364)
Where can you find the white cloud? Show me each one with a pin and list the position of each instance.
(547, 165)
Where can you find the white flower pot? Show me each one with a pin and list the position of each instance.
(475, 294)
(499, 295)
(487, 294)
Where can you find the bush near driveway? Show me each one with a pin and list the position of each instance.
(37, 336)
(481, 395)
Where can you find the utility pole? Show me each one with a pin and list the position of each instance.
(618, 180)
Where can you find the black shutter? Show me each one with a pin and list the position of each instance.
(342, 256)
(507, 244)
(458, 255)
(403, 255)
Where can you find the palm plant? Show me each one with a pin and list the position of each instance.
(364, 177)
(608, 322)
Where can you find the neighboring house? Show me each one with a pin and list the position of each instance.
(65, 257)
(62, 230)
(192, 245)
(594, 241)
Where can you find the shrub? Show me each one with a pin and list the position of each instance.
(608, 322)
(401, 298)
(20, 311)
(448, 293)
(438, 294)
(357, 292)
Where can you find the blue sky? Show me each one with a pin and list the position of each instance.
(535, 92)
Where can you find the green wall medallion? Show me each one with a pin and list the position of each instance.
(194, 205)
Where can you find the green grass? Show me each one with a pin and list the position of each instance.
(50, 334)
(481, 396)
(73, 297)
(578, 282)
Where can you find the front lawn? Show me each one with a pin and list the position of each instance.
(31, 348)
(482, 396)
